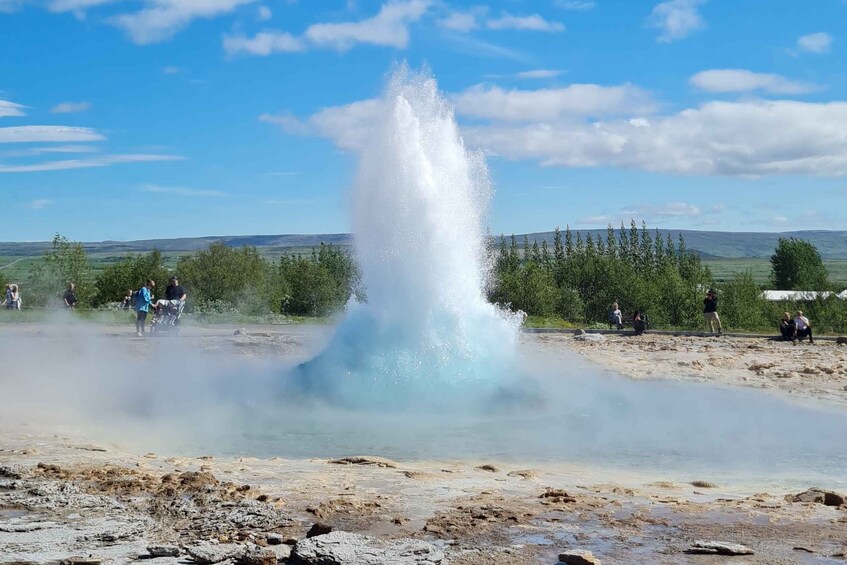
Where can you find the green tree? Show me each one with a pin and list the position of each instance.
(65, 262)
(129, 274)
(797, 265)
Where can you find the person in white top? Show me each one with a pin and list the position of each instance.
(616, 317)
(804, 327)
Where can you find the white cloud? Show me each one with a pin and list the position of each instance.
(181, 191)
(162, 19)
(48, 134)
(390, 27)
(264, 14)
(10, 6)
(49, 149)
(650, 212)
(815, 42)
(38, 203)
(70, 107)
(532, 22)
(717, 138)
(576, 5)
(540, 73)
(78, 7)
(493, 102)
(263, 43)
(740, 80)
(460, 21)
(10, 109)
(670, 210)
(171, 70)
(100, 161)
(349, 126)
(676, 19)
(779, 220)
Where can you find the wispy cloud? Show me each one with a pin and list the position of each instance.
(388, 28)
(677, 19)
(10, 109)
(741, 80)
(49, 149)
(576, 5)
(160, 20)
(540, 73)
(460, 21)
(263, 43)
(48, 134)
(533, 22)
(100, 161)
(815, 43)
(38, 203)
(70, 107)
(181, 191)
(264, 13)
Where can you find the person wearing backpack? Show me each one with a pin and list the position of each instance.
(143, 301)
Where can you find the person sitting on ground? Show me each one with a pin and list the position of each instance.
(69, 297)
(616, 317)
(639, 322)
(804, 327)
(143, 301)
(788, 328)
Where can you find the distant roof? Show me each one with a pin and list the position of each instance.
(777, 295)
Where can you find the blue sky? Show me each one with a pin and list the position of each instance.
(125, 119)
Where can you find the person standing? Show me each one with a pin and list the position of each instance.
(710, 312)
(8, 302)
(143, 301)
(69, 297)
(804, 327)
(15, 298)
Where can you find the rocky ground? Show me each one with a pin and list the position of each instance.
(64, 499)
(804, 372)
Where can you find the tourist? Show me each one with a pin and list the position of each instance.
(788, 328)
(143, 300)
(710, 312)
(69, 297)
(804, 327)
(126, 302)
(174, 290)
(14, 298)
(639, 322)
(8, 301)
(616, 317)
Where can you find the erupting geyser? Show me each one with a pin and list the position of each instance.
(419, 204)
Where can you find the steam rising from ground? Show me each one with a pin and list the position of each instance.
(419, 204)
(426, 369)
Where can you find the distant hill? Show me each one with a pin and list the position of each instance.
(709, 244)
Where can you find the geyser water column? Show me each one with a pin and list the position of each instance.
(420, 200)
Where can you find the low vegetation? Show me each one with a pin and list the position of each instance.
(571, 283)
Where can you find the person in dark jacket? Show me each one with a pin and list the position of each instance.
(788, 328)
(710, 312)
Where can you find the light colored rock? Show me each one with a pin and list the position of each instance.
(719, 548)
(342, 548)
(163, 551)
(206, 553)
(595, 338)
(366, 460)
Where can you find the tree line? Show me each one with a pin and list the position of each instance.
(576, 280)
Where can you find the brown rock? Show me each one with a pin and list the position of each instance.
(366, 460)
(318, 529)
(489, 468)
(263, 557)
(703, 484)
(819, 496)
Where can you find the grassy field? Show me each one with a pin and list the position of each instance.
(724, 269)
